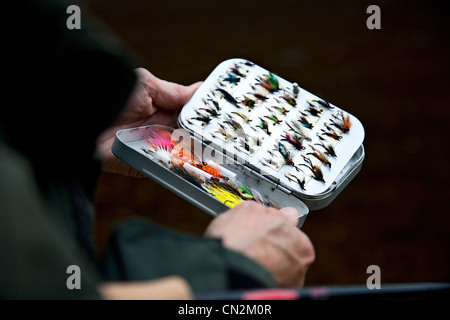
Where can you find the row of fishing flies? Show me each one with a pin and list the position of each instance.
(209, 176)
(293, 138)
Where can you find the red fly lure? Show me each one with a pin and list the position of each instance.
(294, 140)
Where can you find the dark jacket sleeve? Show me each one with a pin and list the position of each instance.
(140, 250)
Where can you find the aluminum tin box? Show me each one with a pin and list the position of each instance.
(235, 99)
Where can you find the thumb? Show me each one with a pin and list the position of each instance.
(291, 214)
(173, 96)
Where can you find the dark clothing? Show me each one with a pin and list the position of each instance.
(140, 250)
(67, 86)
(36, 245)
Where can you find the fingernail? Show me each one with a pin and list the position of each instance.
(291, 213)
(196, 84)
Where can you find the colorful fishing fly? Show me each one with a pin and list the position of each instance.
(209, 169)
(224, 195)
(329, 149)
(160, 139)
(214, 102)
(316, 171)
(242, 116)
(331, 133)
(259, 96)
(159, 155)
(204, 120)
(189, 175)
(235, 125)
(232, 79)
(295, 127)
(270, 83)
(264, 126)
(287, 156)
(282, 110)
(211, 111)
(245, 145)
(290, 100)
(249, 102)
(344, 124)
(161, 146)
(245, 193)
(295, 140)
(235, 71)
(322, 157)
(228, 97)
(224, 132)
(323, 103)
(305, 122)
(267, 201)
(274, 119)
(313, 111)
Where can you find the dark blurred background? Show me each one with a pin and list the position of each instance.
(395, 80)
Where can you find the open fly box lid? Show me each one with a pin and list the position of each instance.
(300, 142)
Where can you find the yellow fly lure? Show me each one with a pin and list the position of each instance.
(222, 194)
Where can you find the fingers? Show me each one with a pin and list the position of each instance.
(165, 94)
(172, 96)
(291, 214)
(269, 237)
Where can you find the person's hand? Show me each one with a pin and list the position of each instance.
(268, 236)
(153, 101)
(166, 288)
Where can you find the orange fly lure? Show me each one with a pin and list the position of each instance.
(208, 169)
(344, 125)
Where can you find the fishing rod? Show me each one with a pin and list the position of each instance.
(428, 290)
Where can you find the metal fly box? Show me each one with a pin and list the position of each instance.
(248, 134)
